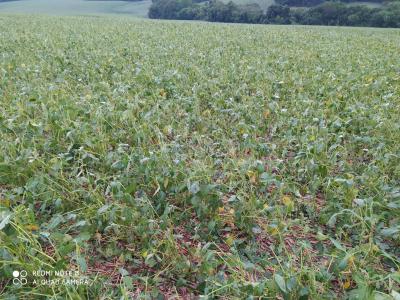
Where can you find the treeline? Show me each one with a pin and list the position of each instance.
(326, 13)
(308, 3)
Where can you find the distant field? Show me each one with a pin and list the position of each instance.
(164, 158)
(76, 7)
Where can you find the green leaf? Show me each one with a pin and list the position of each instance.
(84, 236)
(332, 221)
(395, 295)
(390, 232)
(5, 218)
(118, 165)
(55, 221)
(280, 281)
(123, 272)
(103, 209)
(337, 245)
(194, 188)
(343, 263)
(128, 281)
(291, 284)
(82, 263)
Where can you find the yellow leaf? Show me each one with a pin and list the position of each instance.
(166, 181)
(32, 227)
(287, 201)
(206, 112)
(167, 130)
(221, 210)
(252, 176)
(98, 236)
(347, 284)
(351, 260)
(144, 254)
(229, 240)
(5, 202)
(274, 231)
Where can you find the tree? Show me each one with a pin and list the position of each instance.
(278, 14)
(167, 9)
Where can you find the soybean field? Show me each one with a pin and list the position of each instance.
(148, 159)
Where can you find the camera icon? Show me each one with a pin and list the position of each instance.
(19, 277)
